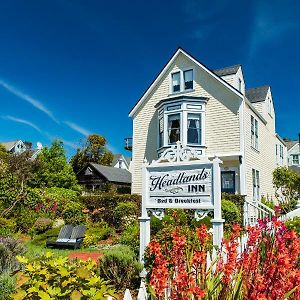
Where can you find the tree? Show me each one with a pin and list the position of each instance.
(287, 184)
(16, 171)
(3, 153)
(53, 169)
(95, 150)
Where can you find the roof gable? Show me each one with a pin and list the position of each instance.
(227, 70)
(112, 174)
(258, 94)
(166, 67)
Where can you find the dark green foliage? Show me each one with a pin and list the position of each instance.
(97, 232)
(72, 213)
(124, 214)
(41, 225)
(230, 212)
(268, 203)
(237, 199)
(7, 286)
(54, 170)
(42, 238)
(131, 237)
(7, 226)
(94, 150)
(25, 219)
(294, 224)
(124, 189)
(120, 267)
(102, 205)
(9, 248)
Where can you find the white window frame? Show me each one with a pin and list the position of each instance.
(295, 162)
(255, 185)
(254, 133)
(186, 107)
(181, 89)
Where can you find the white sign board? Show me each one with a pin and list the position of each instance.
(185, 186)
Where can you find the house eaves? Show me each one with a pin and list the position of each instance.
(165, 68)
(255, 111)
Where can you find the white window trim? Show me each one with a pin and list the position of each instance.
(256, 188)
(183, 111)
(254, 137)
(181, 72)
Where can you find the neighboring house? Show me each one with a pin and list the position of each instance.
(281, 152)
(18, 147)
(293, 152)
(94, 176)
(120, 161)
(15, 147)
(213, 112)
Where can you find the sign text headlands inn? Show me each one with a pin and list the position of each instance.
(213, 112)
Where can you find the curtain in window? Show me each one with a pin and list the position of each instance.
(194, 129)
(176, 82)
(188, 79)
(174, 128)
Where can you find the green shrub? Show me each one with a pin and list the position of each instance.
(294, 224)
(120, 267)
(7, 286)
(268, 203)
(25, 219)
(131, 237)
(230, 212)
(48, 277)
(72, 213)
(97, 232)
(42, 224)
(237, 199)
(125, 213)
(7, 226)
(102, 205)
(9, 248)
(42, 238)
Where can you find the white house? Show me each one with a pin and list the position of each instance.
(213, 112)
(120, 161)
(293, 152)
(15, 147)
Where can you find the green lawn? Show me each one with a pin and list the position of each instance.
(34, 249)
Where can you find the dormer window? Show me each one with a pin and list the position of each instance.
(176, 82)
(188, 79)
(182, 81)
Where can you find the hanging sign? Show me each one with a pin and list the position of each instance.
(186, 186)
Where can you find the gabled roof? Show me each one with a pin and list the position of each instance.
(227, 70)
(9, 145)
(112, 174)
(126, 159)
(290, 144)
(257, 94)
(165, 68)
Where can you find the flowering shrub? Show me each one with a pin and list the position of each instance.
(268, 268)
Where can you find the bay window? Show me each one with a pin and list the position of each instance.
(182, 120)
(173, 128)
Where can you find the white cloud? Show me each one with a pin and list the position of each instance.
(22, 121)
(35, 103)
(270, 25)
(78, 128)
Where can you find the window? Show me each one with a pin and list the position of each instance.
(254, 133)
(240, 84)
(256, 187)
(182, 81)
(188, 79)
(161, 131)
(176, 82)
(194, 129)
(295, 158)
(228, 182)
(174, 128)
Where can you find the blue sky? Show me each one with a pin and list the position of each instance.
(71, 68)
